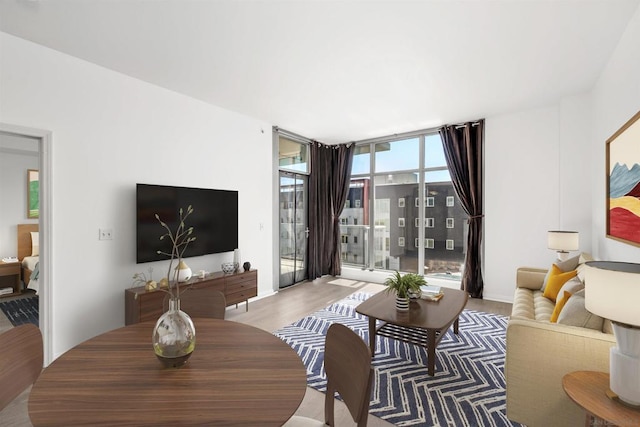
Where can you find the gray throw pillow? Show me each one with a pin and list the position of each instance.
(574, 313)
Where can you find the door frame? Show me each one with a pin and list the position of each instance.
(45, 291)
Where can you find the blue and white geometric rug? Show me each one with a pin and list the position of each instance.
(468, 388)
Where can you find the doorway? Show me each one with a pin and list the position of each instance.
(294, 231)
(43, 139)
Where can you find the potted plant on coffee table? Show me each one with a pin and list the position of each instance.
(403, 286)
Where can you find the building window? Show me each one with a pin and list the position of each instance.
(429, 243)
(430, 202)
(416, 242)
(450, 201)
(417, 202)
(345, 239)
(355, 240)
(357, 203)
(400, 222)
(430, 222)
(417, 221)
(450, 222)
(450, 245)
(347, 204)
(401, 242)
(401, 202)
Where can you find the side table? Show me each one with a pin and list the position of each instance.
(10, 277)
(589, 390)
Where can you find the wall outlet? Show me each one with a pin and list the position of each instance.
(105, 234)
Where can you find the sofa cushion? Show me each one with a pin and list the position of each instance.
(530, 304)
(557, 278)
(567, 265)
(572, 286)
(563, 297)
(574, 313)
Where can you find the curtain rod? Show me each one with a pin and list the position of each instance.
(461, 125)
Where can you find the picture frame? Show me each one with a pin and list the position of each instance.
(33, 193)
(623, 183)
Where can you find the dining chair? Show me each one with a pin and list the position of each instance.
(347, 363)
(21, 361)
(203, 302)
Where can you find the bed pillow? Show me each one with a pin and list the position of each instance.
(35, 243)
(574, 313)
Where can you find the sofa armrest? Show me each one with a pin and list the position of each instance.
(538, 355)
(530, 277)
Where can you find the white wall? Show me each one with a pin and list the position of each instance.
(111, 131)
(521, 195)
(616, 98)
(17, 155)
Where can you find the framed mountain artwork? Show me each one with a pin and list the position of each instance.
(623, 183)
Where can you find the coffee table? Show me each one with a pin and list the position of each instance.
(424, 324)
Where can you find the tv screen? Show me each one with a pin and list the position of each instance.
(214, 220)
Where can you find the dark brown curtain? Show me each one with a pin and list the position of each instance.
(463, 147)
(328, 190)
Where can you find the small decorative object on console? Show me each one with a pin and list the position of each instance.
(228, 267)
(246, 266)
(184, 272)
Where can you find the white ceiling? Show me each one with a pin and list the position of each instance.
(340, 71)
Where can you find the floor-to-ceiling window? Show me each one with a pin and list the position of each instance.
(402, 212)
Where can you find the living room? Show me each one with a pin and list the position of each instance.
(544, 169)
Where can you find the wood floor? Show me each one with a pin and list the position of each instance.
(276, 311)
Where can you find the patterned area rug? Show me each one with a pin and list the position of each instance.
(20, 311)
(468, 388)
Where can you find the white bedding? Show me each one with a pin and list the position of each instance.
(30, 263)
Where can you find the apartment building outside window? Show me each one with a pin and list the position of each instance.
(403, 212)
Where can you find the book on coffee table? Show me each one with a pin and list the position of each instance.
(431, 292)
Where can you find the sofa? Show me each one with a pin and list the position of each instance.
(540, 352)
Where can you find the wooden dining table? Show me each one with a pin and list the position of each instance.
(237, 375)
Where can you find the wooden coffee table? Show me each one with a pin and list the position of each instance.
(424, 324)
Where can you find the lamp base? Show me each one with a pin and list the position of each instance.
(613, 396)
(624, 364)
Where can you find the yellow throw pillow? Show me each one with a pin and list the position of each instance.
(557, 278)
(559, 305)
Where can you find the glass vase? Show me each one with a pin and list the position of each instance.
(174, 336)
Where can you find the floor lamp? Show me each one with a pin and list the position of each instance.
(612, 291)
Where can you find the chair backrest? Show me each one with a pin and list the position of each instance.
(203, 302)
(21, 361)
(347, 362)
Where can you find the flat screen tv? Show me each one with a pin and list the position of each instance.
(214, 220)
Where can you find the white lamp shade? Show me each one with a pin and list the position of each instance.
(563, 240)
(612, 290)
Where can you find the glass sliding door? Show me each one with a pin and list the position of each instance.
(293, 228)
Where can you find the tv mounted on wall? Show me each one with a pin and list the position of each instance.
(214, 220)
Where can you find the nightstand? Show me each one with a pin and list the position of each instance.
(10, 277)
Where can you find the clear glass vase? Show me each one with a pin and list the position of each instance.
(174, 336)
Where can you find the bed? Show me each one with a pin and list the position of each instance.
(28, 254)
